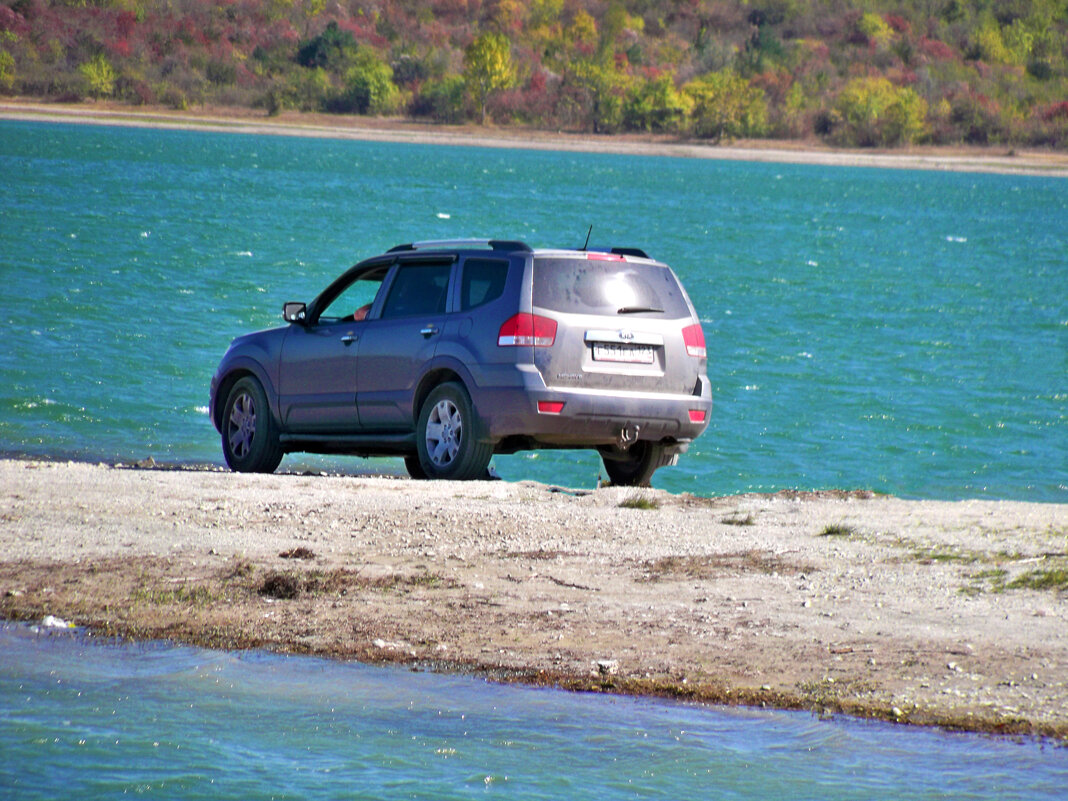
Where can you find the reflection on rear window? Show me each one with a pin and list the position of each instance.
(607, 287)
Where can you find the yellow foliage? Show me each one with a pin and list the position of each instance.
(872, 111)
(991, 45)
(582, 30)
(875, 28)
(7, 70)
(488, 67)
(99, 76)
(726, 106)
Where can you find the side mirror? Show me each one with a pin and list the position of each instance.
(295, 312)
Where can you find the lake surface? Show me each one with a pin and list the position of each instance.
(894, 330)
(100, 720)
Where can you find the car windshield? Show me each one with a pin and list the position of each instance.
(610, 287)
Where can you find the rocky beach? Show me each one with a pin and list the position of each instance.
(924, 612)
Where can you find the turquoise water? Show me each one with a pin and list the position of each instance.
(895, 330)
(84, 720)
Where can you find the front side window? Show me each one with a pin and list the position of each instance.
(418, 289)
(354, 301)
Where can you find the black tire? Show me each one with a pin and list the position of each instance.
(414, 468)
(445, 436)
(249, 438)
(636, 466)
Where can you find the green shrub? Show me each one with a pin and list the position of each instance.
(368, 87)
(442, 99)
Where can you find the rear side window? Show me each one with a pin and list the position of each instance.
(418, 289)
(483, 281)
(608, 287)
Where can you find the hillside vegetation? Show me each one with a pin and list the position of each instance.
(861, 73)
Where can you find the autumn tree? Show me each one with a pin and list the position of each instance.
(488, 68)
(726, 106)
(99, 76)
(872, 111)
(7, 71)
(656, 105)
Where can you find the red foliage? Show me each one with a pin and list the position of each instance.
(902, 76)
(775, 83)
(119, 47)
(192, 32)
(585, 48)
(11, 20)
(936, 49)
(125, 23)
(1058, 111)
(362, 31)
(898, 23)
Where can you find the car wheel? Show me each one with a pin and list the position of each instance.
(636, 466)
(249, 439)
(445, 436)
(414, 468)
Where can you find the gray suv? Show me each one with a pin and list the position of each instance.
(446, 353)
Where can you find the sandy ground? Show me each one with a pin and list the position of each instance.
(234, 120)
(924, 612)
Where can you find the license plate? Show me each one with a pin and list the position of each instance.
(631, 354)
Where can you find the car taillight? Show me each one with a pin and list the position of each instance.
(527, 329)
(550, 407)
(694, 338)
(697, 415)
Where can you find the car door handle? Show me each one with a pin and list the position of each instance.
(349, 338)
(428, 330)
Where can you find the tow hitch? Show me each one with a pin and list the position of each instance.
(628, 435)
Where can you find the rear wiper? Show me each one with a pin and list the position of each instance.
(637, 310)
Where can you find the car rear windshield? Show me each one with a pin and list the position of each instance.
(578, 285)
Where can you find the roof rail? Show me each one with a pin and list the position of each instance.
(637, 252)
(618, 251)
(440, 244)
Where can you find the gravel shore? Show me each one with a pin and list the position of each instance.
(392, 129)
(924, 612)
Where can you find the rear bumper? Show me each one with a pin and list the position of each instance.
(590, 418)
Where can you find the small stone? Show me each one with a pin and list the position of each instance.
(897, 712)
(606, 667)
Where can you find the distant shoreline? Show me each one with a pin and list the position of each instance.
(1000, 160)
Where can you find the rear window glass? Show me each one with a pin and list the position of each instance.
(607, 287)
(483, 281)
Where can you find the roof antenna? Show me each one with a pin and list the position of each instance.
(586, 244)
